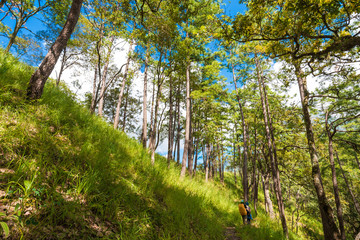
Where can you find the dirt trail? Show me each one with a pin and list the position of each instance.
(231, 234)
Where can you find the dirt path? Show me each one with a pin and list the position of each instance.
(231, 234)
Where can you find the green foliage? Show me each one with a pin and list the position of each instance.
(74, 176)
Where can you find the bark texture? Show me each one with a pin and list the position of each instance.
(339, 210)
(271, 146)
(187, 124)
(329, 226)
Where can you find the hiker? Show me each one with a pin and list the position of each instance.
(242, 211)
(248, 212)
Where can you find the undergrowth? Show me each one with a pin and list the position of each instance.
(68, 174)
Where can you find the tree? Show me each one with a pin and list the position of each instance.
(39, 78)
(271, 144)
(21, 12)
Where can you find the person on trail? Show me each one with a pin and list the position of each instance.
(242, 211)
(248, 211)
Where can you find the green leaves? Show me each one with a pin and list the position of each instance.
(5, 227)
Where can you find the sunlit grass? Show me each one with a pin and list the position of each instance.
(72, 175)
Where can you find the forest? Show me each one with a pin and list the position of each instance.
(152, 119)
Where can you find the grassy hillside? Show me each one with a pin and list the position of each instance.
(67, 174)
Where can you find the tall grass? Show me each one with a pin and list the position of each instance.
(74, 176)
(69, 174)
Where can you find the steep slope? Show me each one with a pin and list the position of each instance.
(67, 173)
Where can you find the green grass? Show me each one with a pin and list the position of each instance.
(69, 174)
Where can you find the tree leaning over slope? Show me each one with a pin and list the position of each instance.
(39, 78)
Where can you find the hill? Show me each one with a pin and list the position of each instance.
(68, 174)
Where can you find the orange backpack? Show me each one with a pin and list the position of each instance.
(242, 209)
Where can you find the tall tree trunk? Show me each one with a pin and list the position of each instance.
(267, 195)
(196, 155)
(152, 140)
(176, 125)
(125, 79)
(206, 163)
(152, 112)
(93, 99)
(188, 121)
(160, 126)
(178, 128)
(191, 146)
(255, 188)
(144, 126)
(103, 79)
(170, 129)
(271, 146)
(235, 180)
(334, 179)
(39, 78)
(125, 107)
(222, 165)
(63, 60)
(356, 203)
(329, 226)
(178, 147)
(244, 177)
(234, 160)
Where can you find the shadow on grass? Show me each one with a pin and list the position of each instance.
(77, 178)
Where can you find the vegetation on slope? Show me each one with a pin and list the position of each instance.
(67, 173)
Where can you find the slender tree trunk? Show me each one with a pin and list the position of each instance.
(125, 107)
(63, 60)
(178, 147)
(39, 78)
(125, 79)
(255, 188)
(152, 110)
(234, 160)
(188, 121)
(235, 180)
(206, 163)
(196, 155)
(271, 144)
(356, 203)
(160, 126)
(170, 130)
(178, 129)
(329, 226)
(256, 191)
(152, 145)
(93, 99)
(334, 179)
(176, 123)
(267, 195)
(191, 146)
(144, 126)
(221, 169)
(244, 178)
(263, 185)
(18, 25)
(103, 79)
